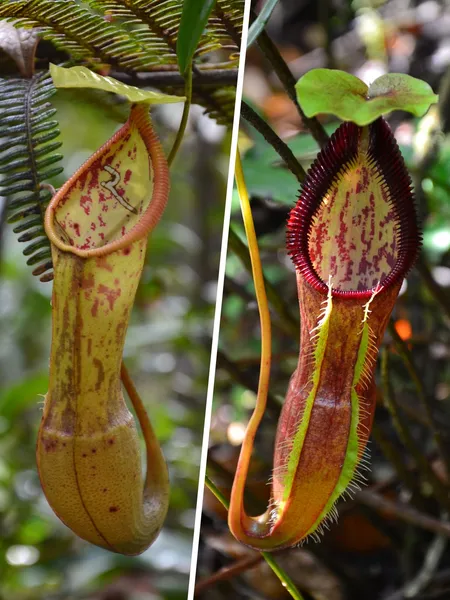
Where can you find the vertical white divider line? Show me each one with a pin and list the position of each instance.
(219, 298)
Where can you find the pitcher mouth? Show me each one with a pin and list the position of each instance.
(116, 197)
(355, 223)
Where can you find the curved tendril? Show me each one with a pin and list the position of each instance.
(241, 525)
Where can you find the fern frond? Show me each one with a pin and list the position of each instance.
(158, 22)
(130, 34)
(228, 19)
(136, 35)
(154, 22)
(27, 159)
(80, 32)
(219, 102)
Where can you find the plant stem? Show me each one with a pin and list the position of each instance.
(273, 55)
(403, 512)
(286, 581)
(439, 489)
(217, 493)
(284, 578)
(228, 572)
(272, 138)
(184, 117)
(264, 374)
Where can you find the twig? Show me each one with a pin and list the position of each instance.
(273, 55)
(202, 77)
(439, 489)
(413, 412)
(231, 286)
(432, 559)
(228, 572)
(430, 564)
(403, 512)
(393, 456)
(272, 138)
(405, 354)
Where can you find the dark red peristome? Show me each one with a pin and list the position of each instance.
(341, 150)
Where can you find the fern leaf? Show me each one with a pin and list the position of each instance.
(136, 35)
(82, 33)
(158, 23)
(228, 20)
(27, 159)
(130, 34)
(155, 28)
(219, 102)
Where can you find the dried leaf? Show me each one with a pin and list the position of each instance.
(20, 45)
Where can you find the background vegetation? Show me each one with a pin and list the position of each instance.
(391, 541)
